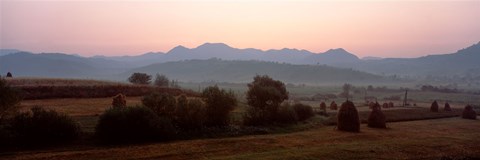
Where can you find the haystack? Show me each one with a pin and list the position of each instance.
(333, 105)
(447, 107)
(390, 105)
(376, 119)
(434, 107)
(347, 118)
(119, 101)
(323, 107)
(469, 113)
(385, 105)
(371, 105)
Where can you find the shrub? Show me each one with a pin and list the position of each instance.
(253, 117)
(190, 114)
(119, 100)
(303, 112)
(286, 115)
(140, 78)
(163, 104)
(40, 127)
(376, 119)
(265, 95)
(348, 119)
(219, 104)
(333, 105)
(447, 107)
(9, 98)
(161, 80)
(133, 124)
(469, 113)
(434, 107)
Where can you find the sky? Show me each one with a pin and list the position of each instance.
(388, 28)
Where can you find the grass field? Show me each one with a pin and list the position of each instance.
(87, 111)
(426, 139)
(409, 134)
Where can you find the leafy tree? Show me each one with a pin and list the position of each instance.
(161, 80)
(265, 95)
(9, 98)
(346, 91)
(219, 104)
(190, 113)
(161, 103)
(140, 78)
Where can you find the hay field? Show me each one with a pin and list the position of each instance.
(426, 139)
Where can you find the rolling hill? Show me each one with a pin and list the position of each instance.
(460, 67)
(243, 71)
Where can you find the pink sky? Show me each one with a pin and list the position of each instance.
(366, 28)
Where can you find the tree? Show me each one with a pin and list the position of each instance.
(190, 114)
(9, 98)
(140, 78)
(346, 91)
(265, 95)
(219, 104)
(161, 80)
(162, 104)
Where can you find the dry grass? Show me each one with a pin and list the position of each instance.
(78, 106)
(58, 82)
(429, 139)
(38, 88)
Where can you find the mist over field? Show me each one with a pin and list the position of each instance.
(222, 63)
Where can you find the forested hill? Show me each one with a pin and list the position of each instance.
(243, 71)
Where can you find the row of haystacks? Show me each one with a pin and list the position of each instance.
(348, 118)
(435, 107)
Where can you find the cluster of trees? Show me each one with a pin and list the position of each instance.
(33, 128)
(438, 89)
(145, 79)
(163, 116)
(264, 97)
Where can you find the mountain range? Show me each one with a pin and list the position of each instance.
(196, 64)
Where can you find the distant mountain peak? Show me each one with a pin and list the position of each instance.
(178, 48)
(337, 50)
(214, 45)
(475, 48)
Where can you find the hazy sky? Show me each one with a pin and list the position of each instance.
(376, 28)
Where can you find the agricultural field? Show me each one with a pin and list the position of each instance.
(413, 132)
(426, 139)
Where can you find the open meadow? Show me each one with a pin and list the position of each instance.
(412, 132)
(449, 138)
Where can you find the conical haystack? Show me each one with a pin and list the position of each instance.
(377, 119)
(333, 105)
(119, 100)
(347, 118)
(447, 107)
(469, 113)
(434, 107)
